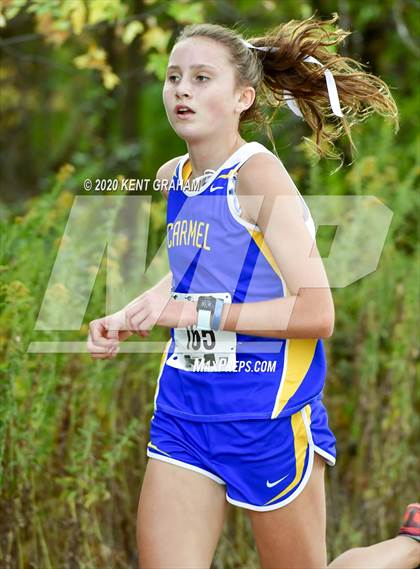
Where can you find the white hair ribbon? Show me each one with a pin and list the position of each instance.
(255, 47)
(331, 85)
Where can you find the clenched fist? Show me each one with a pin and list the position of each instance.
(139, 317)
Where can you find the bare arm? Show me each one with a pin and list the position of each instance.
(271, 318)
(164, 286)
(271, 200)
(268, 318)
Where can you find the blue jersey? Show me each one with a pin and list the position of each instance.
(212, 250)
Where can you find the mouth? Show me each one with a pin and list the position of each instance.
(183, 112)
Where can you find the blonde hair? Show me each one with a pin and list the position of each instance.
(272, 72)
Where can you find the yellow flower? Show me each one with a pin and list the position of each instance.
(59, 292)
(94, 58)
(65, 172)
(109, 78)
(84, 328)
(368, 166)
(65, 200)
(62, 241)
(121, 244)
(15, 290)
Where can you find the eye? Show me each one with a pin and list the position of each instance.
(171, 78)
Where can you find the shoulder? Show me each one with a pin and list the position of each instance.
(166, 171)
(260, 180)
(264, 173)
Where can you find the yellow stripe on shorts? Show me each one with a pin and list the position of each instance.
(298, 356)
(301, 443)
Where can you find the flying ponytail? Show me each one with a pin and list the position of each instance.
(331, 96)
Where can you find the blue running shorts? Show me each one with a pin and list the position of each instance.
(264, 463)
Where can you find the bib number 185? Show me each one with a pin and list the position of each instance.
(212, 348)
(200, 340)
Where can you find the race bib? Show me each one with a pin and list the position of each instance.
(203, 350)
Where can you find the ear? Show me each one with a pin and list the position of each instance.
(246, 98)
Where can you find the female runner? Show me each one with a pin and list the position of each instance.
(238, 414)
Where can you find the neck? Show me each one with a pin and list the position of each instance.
(212, 154)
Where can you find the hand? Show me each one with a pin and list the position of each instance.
(146, 311)
(106, 333)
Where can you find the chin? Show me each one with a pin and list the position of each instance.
(191, 135)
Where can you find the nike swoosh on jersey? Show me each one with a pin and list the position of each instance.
(271, 484)
(216, 188)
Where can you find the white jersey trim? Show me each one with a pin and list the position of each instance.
(234, 207)
(232, 198)
(212, 178)
(242, 154)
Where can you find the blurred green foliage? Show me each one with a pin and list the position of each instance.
(81, 89)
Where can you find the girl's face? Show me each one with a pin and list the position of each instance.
(200, 76)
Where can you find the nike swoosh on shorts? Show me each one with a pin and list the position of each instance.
(271, 484)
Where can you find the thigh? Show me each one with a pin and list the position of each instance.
(294, 536)
(180, 517)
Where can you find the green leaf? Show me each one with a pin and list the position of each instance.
(187, 13)
(156, 37)
(12, 10)
(131, 31)
(157, 64)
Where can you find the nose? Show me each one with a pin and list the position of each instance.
(183, 89)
